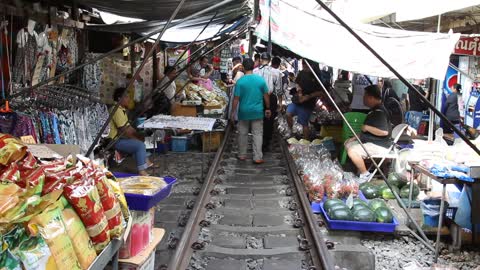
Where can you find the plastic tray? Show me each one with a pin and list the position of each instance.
(359, 226)
(143, 202)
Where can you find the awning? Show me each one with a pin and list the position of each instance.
(228, 18)
(404, 10)
(414, 54)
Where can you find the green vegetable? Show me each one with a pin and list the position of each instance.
(341, 214)
(365, 215)
(405, 191)
(384, 215)
(329, 203)
(395, 180)
(387, 193)
(376, 203)
(370, 191)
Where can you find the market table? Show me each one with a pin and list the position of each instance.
(475, 215)
(196, 124)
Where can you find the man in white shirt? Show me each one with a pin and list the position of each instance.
(171, 90)
(273, 77)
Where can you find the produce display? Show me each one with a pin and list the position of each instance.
(374, 211)
(55, 214)
(399, 185)
(321, 175)
(214, 97)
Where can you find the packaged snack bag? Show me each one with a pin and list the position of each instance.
(78, 234)
(11, 149)
(110, 205)
(84, 198)
(51, 227)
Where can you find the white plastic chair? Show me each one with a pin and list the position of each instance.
(392, 151)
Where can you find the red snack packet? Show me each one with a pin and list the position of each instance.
(110, 204)
(55, 181)
(83, 196)
(33, 177)
(10, 173)
(29, 162)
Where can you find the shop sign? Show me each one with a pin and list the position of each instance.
(468, 46)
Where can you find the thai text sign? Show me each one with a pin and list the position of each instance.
(468, 46)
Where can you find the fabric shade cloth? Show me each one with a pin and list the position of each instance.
(416, 55)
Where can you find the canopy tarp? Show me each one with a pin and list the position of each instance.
(226, 18)
(415, 55)
(404, 10)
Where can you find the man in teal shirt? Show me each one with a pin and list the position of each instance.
(251, 93)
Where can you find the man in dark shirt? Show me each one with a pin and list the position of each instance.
(450, 108)
(416, 106)
(308, 90)
(376, 132)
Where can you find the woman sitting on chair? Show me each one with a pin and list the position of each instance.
(128, 140)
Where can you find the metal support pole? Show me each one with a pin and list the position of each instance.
(440, 222)
(433, 96)
(399, 76)
(134, 77)
(397, 197)
(269, 47)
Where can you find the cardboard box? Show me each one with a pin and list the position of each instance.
(212, 141)
(181, 110)
(45, 151)
(145, 260)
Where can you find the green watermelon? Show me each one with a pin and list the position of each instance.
(340, 214)
(405, 191)
(337, 206)
(370, 191)
(359, 201)
(387, 193)
(360, 207)
(376, 203)
(365, 215)
(396, 180)
(329, 203)
(384, 215)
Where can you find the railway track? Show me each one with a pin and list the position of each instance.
(250, 217)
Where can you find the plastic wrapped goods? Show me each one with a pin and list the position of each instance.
(51, 227)
(83, 196)
(11, 149)
(78, 234)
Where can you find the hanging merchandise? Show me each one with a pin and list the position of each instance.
(25, 58)
(225, 63)
(114, 71)
(91, 75)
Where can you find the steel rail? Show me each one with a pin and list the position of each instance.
(323, 258)
(181, 257)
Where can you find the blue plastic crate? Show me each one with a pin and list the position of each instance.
(144, 202)
(359, 226)
(179, 144)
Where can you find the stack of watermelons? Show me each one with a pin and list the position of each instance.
(401, 187)
(374, 211)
